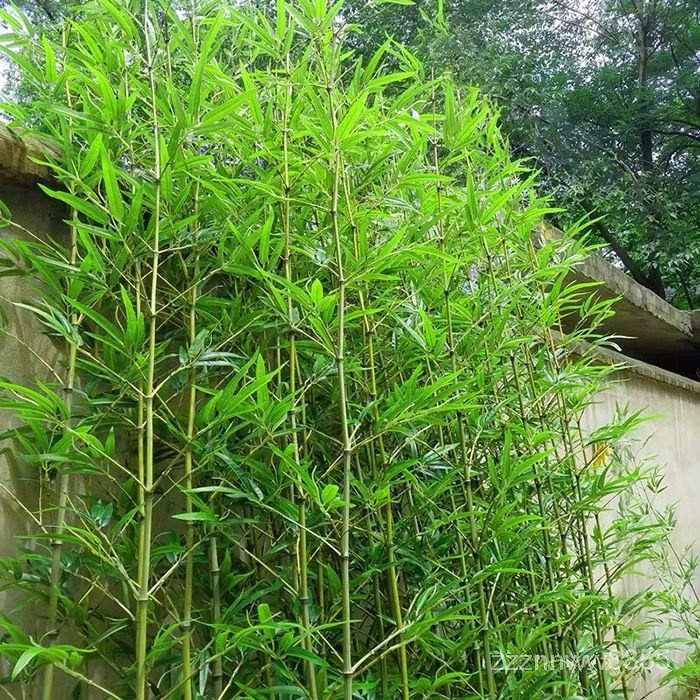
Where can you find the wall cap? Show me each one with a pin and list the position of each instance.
(18, 156)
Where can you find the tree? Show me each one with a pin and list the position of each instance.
(605, 100)
(639, 110)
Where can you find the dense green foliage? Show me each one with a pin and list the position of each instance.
(603, 96)
(318, 429)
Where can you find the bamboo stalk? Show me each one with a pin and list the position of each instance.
(583, 674)
(321, 591)
(64, 479)
(60, 526)
(321, 679)
(378, 611)
(215, 571)
(188, 457)
(335, 171)
(189, 523)
(587, 560)
(578, 548)
(141, 422)
(377, 442)
(548, 550)
(581, 534)
(302, 558)
(145, 531)
(464, 571)
(536, 478)
(608, 585)
(464, 454)
(481, 595)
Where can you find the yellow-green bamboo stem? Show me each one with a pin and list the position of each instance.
(496, 398)
(377, 594)
(537, 477)
(63, 489)
(474, 536)
(347, 456)
(321, 591)
(145, 530)
(140, 409)
(188, 469)
(546, 540)
(335, 168)
(581, 532)
(188, 457)
(460, 548)
(608, 582)
(141, 441)
(215, 571)
(302, 549)
(565, 420)
(64, 478)
(587, 559)
(377, 442)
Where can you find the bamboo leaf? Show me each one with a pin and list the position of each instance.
(25, 659)
(109, 177)
(92, 211)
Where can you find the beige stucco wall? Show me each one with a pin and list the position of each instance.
(672, 440)
(25, 355)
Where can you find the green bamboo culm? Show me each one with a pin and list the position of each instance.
(302, 547)
(484, 648)
(325, 444)
(146, 525)
(64, 484)
(192, 278)
(335, 170)
(378, 458)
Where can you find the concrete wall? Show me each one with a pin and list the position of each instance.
(26, 354)
(671, 440)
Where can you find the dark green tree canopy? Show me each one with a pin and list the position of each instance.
(604, 96)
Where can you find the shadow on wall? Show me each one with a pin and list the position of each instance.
(26, 355)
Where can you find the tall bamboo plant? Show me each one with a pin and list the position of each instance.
(311, 332)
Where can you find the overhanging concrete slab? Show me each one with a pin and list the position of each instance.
(644, 326)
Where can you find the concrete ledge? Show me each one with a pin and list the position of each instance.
(17, 154)
(646, 327)
(695, 320)
(629, 364)
(622, 285)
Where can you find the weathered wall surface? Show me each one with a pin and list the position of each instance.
(26, 354)
(671, 440)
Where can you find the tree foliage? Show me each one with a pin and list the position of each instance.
(603, 96)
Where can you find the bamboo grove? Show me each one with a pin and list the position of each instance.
(316, 433)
